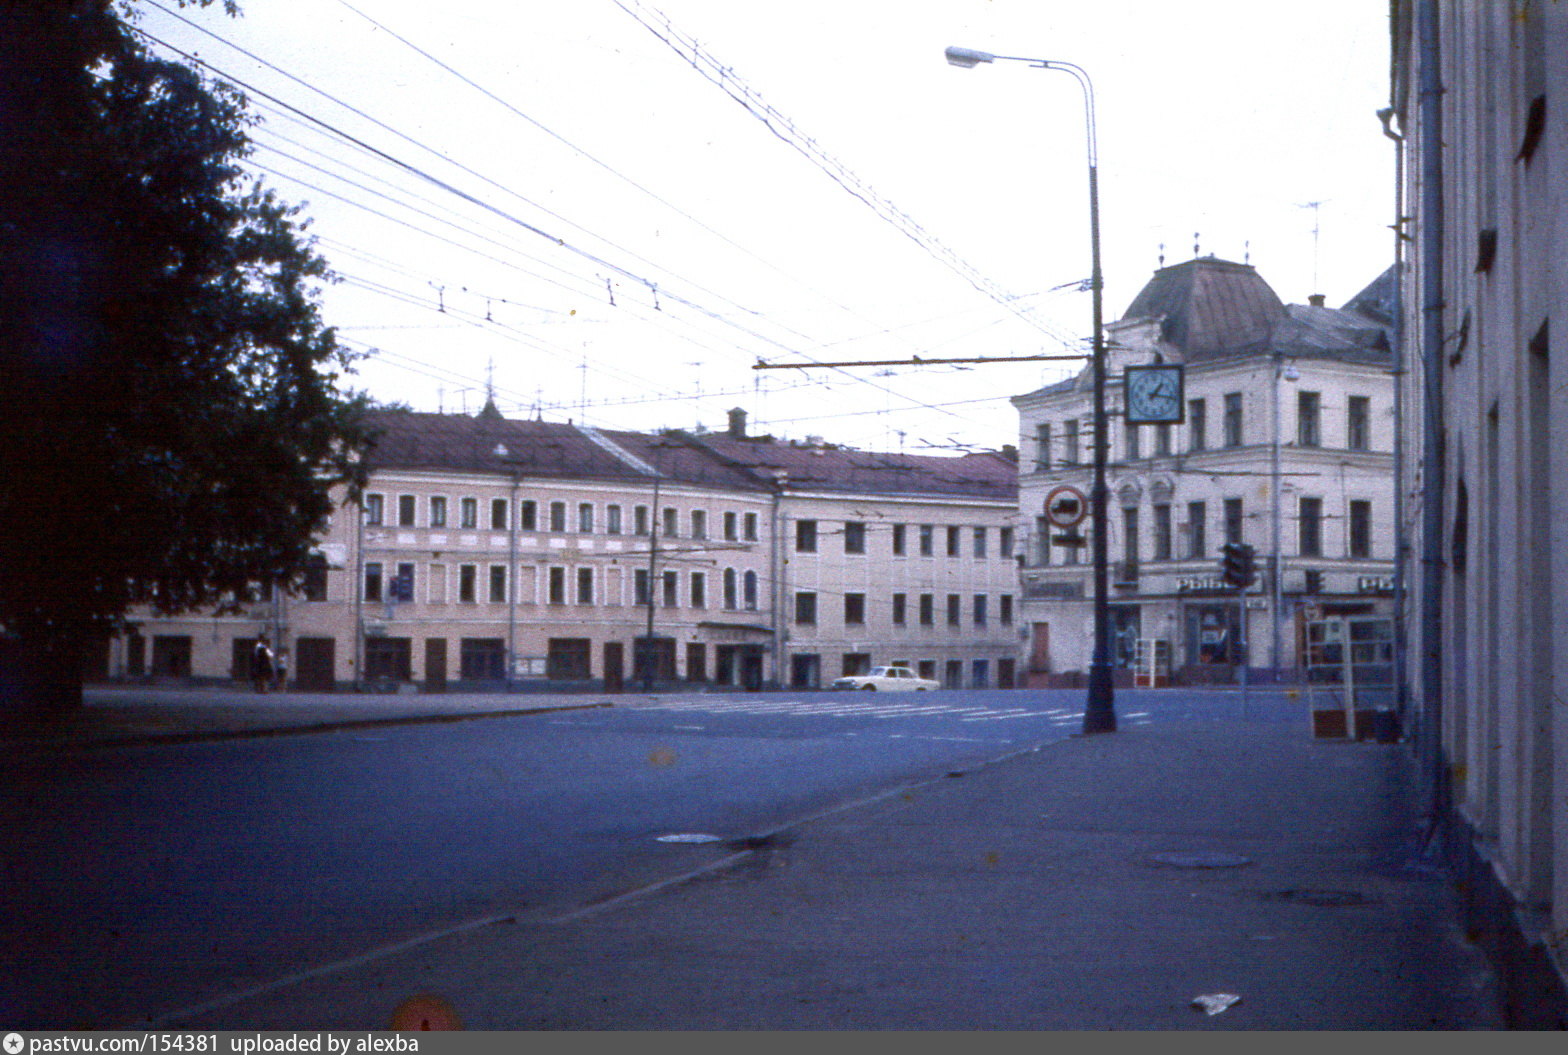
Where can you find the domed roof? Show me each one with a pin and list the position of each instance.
(1210, 308)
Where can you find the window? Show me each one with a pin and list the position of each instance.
(468, 511)
(1070, 442)
(1130, 534)
(375, 509)
(672, 589)
(497, 584)
(640, 520)
(731, 527)
(854, 609)
(481, 658)
(315, 585)
(854, 536)
(672, 526)
(805, 608)
(927, 539)
(438, 511)
(699, 589)
(1358, 425)
(731, 589)
(900, 609)
(401, 588)
(750, 522)
(898, 539)
(612, 520)
(498, 514)
(640, 594)
(982, 603)
(1360, 528)
(373, 581)
(558, 517)
(585, 586)
(954, 609)
(1233, 419)
(1162, 441)
(568, 659)
(1197, 544)
(1004, 543)
(585, 518)
(1233, 520)
(1004, 609)
(1311, 527)
(805, 536)
(699, 524)
(1132, 436)
(1162, 531)
(1197, 425)
(405, 510)
(927, 610)
(1042, 447)
(749, 591)
(1042, 541)
(467, 583)
(1309, 409)
(954, 541)
(528, 515)
(980, 544)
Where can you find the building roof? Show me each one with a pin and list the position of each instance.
(823, 467)
(493, 445)
(1210, 308)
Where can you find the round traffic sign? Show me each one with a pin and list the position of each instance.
(1065, 507)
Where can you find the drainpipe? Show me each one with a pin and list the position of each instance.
(1434, 469)
(1401, 547)
(511, 586)
(358, 587)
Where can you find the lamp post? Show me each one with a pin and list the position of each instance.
(1099, 715)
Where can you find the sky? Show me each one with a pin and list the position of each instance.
(610, 211)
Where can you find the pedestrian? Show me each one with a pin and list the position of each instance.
(261, 664)
(282, 665)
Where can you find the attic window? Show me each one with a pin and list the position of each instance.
(1534, 127)
(1486, 250)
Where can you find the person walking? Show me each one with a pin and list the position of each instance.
(261, 664)
(281, 670)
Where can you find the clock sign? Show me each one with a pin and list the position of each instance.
(1155, 395)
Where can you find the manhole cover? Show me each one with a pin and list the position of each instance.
(1322, 898)
(1201, 859)
(690, 837)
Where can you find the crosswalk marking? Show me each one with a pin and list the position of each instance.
(879, 708)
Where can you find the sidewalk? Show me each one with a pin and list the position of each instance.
(137, 716)
(1100, 883)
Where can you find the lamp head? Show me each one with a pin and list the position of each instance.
(968, 58)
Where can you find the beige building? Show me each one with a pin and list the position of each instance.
(890, 559)
(1479, 95)
(490, 554)
(1287, 446)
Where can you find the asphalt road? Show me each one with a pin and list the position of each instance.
(149, 879)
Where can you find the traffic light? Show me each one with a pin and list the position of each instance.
(1238, 564)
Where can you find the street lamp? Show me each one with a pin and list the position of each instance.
(1099, 715)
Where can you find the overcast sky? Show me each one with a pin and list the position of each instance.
(520, 164)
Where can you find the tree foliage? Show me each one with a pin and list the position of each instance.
(170, 423)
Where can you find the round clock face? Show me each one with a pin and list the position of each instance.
(1153, 395)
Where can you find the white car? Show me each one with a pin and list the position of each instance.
(887, 679)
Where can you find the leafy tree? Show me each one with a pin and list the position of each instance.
(169, 419)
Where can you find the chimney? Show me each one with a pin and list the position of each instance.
(737, 424)
(1316, 299)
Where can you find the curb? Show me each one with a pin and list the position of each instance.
(217, 735)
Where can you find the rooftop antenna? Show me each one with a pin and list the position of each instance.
(1195, 245)
(1314, 206)
(1162, 254)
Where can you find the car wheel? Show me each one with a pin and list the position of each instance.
(868, 688)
